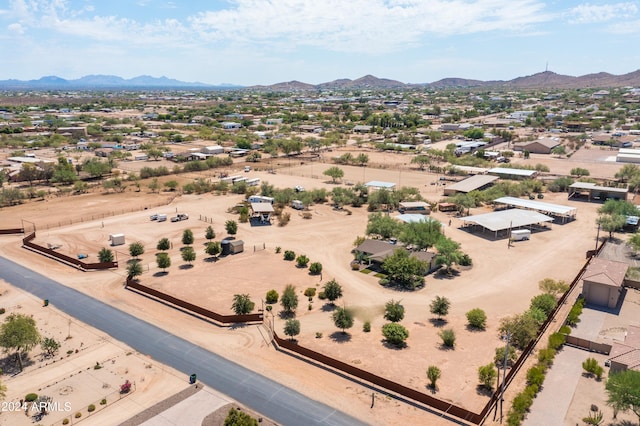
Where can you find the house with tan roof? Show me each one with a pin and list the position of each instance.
(626, 356)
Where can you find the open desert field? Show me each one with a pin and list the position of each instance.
(501, 281)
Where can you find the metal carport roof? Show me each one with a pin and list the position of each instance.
(505, 219)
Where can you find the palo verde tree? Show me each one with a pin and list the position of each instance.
(422, 235)
(50, 346)
(163, 260)
(242, 304)
(19, 334)
(343, 319)
(292, 328)
(332, 291)
(403, 270)
(334, 173)
(623, 390)
(383, 226)
(440, 306)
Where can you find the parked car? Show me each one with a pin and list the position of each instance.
(179, 217)
(299, 188)
(154, 216)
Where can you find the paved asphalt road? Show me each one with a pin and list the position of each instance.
(265, 396)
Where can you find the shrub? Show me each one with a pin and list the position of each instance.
(97, 366)
(31, 397)
(366, 327)
(272, 296)
(499, 358)
(78, 415)
(545, 357)
(535, 376)
(318, 335)
(65, 421)
(487, 375)
(395, 333)
(565, 329)
(322, 295)
(2, 311)
(556, 340)
(283, 219)
(433, 373)
(465, 260)
(545, 302)
(575, 312)
(448, 337)
(590, 365)
(315, 268)
(310, 292)
(278, 249)
(103, 401)
(302, 261)
(91, 408)
(289, 255)
(477, 319)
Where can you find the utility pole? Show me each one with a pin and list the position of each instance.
(504, 372)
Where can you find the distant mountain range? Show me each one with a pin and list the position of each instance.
(542, 80)
(97, 82)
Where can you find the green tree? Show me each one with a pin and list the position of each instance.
(163, 260)
(272, 296)
(171, 185)
(448, 253)
(559, 150)
(579, 171)
(154, 185)
(332, 291)
(134, 269)
(164, 244)
(188, 254)
(289, 299)
(334, 173)
(231, 226)
(433, 374)
(383, 225)
(105, 255)
(628, 172)
(50, 346)
(236, 417)
(29, 172)
(395, 334)
(551, 286)
(136, 249)
(187, 237)
(477, 319)
(545, 302)
(213, 248)
(611, 223)
(343, 319)
(499, 357)
(523, 329)
(302, 261)
(440, 306)
(361, 159)
(18, 333)
(393, 311)
(623, 390)
(96, 168)
(421, 160)
(242, 304)
(209, 233)
(422, 235)
(315, 268)
(487, 375)
(292, 328)
(404, 270)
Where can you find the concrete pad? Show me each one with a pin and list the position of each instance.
(190, 411)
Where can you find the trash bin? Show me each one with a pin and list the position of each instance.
(46, 302)
(192, 379)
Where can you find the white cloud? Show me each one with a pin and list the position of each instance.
(362, 25)
(589, 13)
(16, 28)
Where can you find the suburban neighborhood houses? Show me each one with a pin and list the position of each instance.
(404, 255)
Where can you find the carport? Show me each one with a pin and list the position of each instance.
(505, 220)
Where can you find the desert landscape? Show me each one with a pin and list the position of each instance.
(501, 282)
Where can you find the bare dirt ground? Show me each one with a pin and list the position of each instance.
(501, 281)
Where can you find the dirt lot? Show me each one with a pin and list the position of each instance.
(501, 281)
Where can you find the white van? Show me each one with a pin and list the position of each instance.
(297, 204)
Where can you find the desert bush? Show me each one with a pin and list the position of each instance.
(322, 295)
(30, 397)
(448, 337)
(77, 415)
(302, 261)
(315, 268)
(545, 357)
(366, 327)
(103, 401)
(283, 219)
(310, 292)
(395, 333)
(590, 365)
(535, 376)
(575, 312)
(487, 375)
(565, 329)
(499, 358)
(65, 421)
(289, 255)
(556, 340)
(272, 296)
(477, 318)
(278, 249)
(91, 408)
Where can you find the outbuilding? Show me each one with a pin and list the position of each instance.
(116, 239)
(602, 282)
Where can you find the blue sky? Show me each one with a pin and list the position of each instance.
(252, 42)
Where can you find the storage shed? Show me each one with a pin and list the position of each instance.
(602, 282)
(116, 239)
(236, 246)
